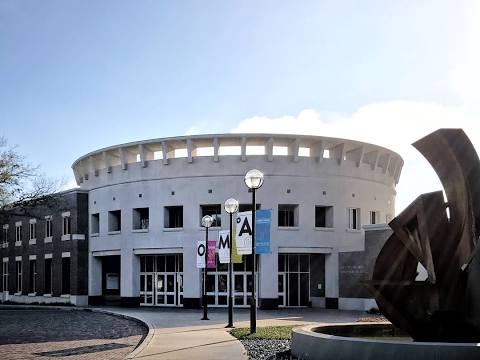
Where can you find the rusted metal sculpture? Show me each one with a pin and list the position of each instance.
(444, 238)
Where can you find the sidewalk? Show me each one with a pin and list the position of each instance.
(180, 334)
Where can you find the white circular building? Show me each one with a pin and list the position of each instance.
(147, 198)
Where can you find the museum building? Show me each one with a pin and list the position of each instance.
(128, 235)
(330, 200)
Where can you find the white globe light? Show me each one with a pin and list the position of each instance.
(231, 206)
(254, 179)
(207, 221)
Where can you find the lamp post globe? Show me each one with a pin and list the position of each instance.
(254, 179)
(207, 221)
(231, 206)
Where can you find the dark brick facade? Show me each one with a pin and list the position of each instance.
(73, 201)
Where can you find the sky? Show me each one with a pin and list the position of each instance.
(76, 76)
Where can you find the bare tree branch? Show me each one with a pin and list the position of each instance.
(22, 187)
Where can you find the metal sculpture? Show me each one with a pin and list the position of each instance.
(444, 238)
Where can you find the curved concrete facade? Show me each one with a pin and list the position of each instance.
(303, 172)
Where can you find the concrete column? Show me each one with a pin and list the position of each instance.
(268, 281)
(135, 275)
(243, 147)
(129, 278)
(191, 277)
(141, 151)
(123, 158)
(94, 275)
(331, 280)
(216, 146)
(190, 150)
(269, 149)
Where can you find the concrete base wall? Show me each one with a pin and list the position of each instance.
(318, 302)
(307, 345)
(357, 304)
(78, 300)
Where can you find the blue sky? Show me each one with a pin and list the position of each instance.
(79, 75)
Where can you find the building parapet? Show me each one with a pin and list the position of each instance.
(242, 145)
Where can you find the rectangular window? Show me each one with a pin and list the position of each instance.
(18, 232)
(115, 220)
(5, 276)
(354, 218)
(5, 236)
(140, 218)
(173, 217)
(18, 284)
(288, 215)
(48, 276)
(215, 211)
(66, 275)
(66, 225)
(33, 230)
(33, 276)
(324, 216)
(48, 226)
(374, 217)
(247, 207)
(303, 151)
(95, 223)
(158, 155)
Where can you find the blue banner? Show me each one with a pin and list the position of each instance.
(262, 231)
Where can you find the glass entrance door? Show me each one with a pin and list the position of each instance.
(294, 280)
(161, 280)
(166, 289)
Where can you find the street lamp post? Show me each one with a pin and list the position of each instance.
(207, 221)
(231, 207)
(253, 180)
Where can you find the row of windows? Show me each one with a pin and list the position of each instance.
(173, 217)
(33, 229)
(32, 275)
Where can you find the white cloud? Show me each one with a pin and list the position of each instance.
(394, 124)
(194, 130)
(71, 183)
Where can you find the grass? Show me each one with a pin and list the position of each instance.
(269, 332)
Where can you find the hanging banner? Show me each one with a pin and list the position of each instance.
(244, 233)
(236, 258)
(224, 246)
(263, 219)
(212, 249)
(201, 254)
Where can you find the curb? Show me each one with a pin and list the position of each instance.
(142, 344)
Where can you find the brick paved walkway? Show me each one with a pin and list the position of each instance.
(66, 334)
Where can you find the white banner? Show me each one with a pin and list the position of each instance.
(201, 254)
(224, 246)
(244, 233)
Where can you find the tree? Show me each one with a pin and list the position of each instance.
(22, 187)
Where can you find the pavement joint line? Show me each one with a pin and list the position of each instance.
(186, 348)
(202, 329)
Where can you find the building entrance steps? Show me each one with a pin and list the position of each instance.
(180, 334)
